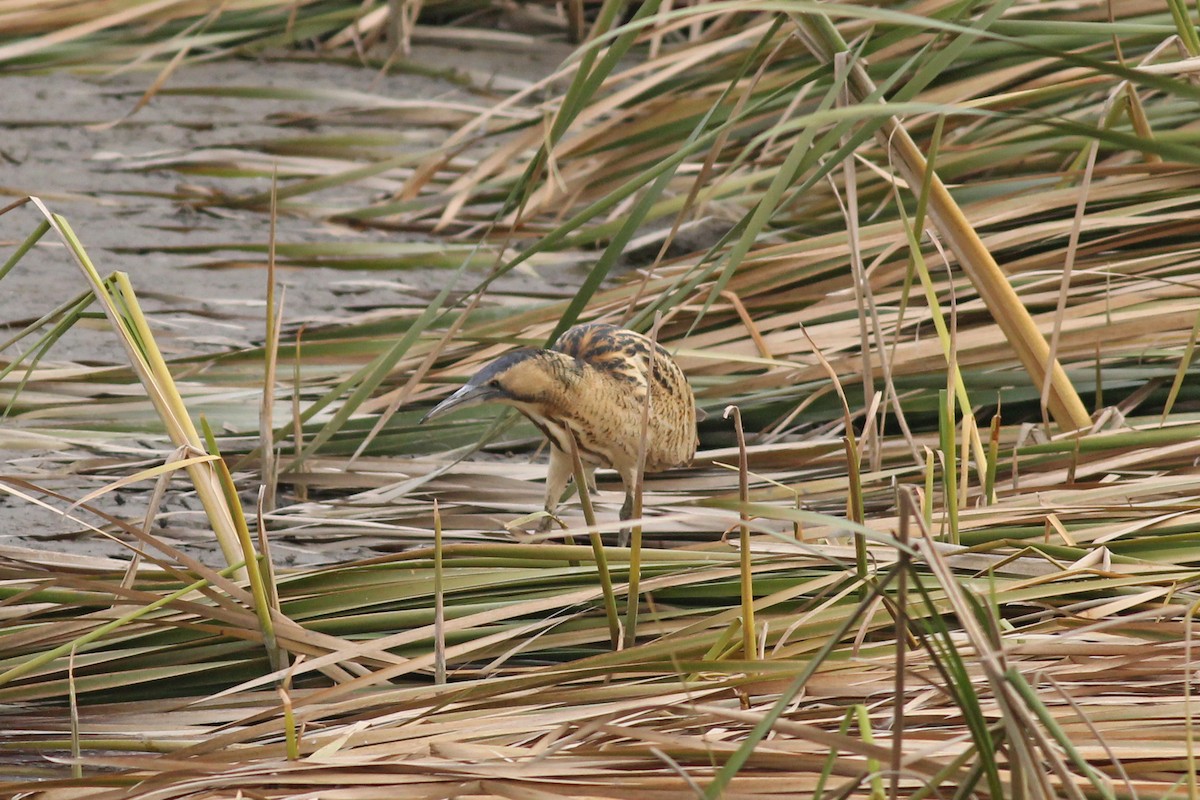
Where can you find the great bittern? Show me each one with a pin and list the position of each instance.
(593, 382)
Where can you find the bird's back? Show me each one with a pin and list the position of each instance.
(617, 369)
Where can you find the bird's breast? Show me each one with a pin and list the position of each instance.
(559, 429)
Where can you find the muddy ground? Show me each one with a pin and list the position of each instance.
(56, 145)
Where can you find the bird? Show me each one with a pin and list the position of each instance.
(592, 383)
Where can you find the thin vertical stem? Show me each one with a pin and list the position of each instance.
(76, 750)
(439, 601)
(854, 509)
(633, 598)
(266, 423)
(300, 487)
(989, 487)
(949, 458)
(908, 510)
(589, 514)
(749, 646)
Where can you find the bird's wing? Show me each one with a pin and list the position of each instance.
(616, 352)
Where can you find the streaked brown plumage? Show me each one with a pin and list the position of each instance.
(593, 381)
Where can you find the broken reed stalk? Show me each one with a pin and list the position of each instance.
(124, 313)
(589, 515)
(290, 734)
(989, 485)
(855, 511)
(208, 486)
(976, 260)
(749, 645)
(254, 570)
(267, 566)
(866, 735)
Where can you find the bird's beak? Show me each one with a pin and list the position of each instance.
(465, 397)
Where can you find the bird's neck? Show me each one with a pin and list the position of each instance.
(551, 400)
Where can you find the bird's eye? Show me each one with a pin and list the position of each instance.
(494, 383)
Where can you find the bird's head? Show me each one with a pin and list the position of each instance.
(520, 378)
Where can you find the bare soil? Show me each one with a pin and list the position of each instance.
(56, 145)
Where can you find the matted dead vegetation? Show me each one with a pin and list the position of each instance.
(993, 603)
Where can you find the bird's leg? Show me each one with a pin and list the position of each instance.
(589, 475)
(557, 476)
(626, 514)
